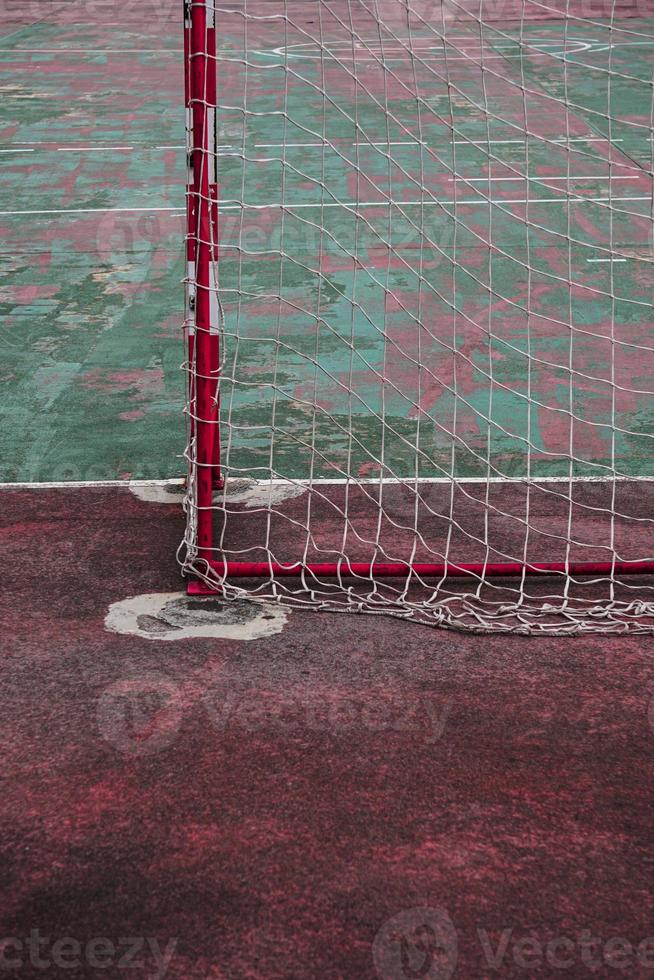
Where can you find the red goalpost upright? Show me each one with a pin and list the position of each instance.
(201, 247)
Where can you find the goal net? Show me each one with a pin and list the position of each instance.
(419, 308)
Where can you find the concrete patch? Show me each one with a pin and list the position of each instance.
(251, 493)
(176, 616)
(259, 493)
(158, 491)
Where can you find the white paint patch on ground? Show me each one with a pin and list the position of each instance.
(251, 493)
(259, 493)
(176, 616)
(158, 491)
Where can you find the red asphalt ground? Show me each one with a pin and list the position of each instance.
(354, 797)
(268, 808)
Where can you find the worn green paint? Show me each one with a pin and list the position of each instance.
(92, 304)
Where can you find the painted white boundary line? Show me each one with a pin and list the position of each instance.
(89, 149)
(386, 481)
(25, 146)
(531, 136)
(179, 209)
(91, 52)
(91, 484)
(545, 179)
(479, 202)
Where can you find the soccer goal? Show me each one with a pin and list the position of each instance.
(419, 309)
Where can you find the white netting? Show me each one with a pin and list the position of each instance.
(431, 278)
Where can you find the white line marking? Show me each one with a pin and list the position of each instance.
(541, 180)
(345, 204)
(410, 481)
(92, 52)
(180, 210)
(606, 260)
(46, 143)
(475, 60)
(431, 48)
(233, 150)
(548, 139)
(83, 484)
(388, 481)
(436, 142)
(260, 146)
(434, 203)
(93, 149)
(97, 148)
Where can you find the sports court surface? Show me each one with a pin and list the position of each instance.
(283, 793)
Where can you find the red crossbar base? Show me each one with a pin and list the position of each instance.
(363, 570)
